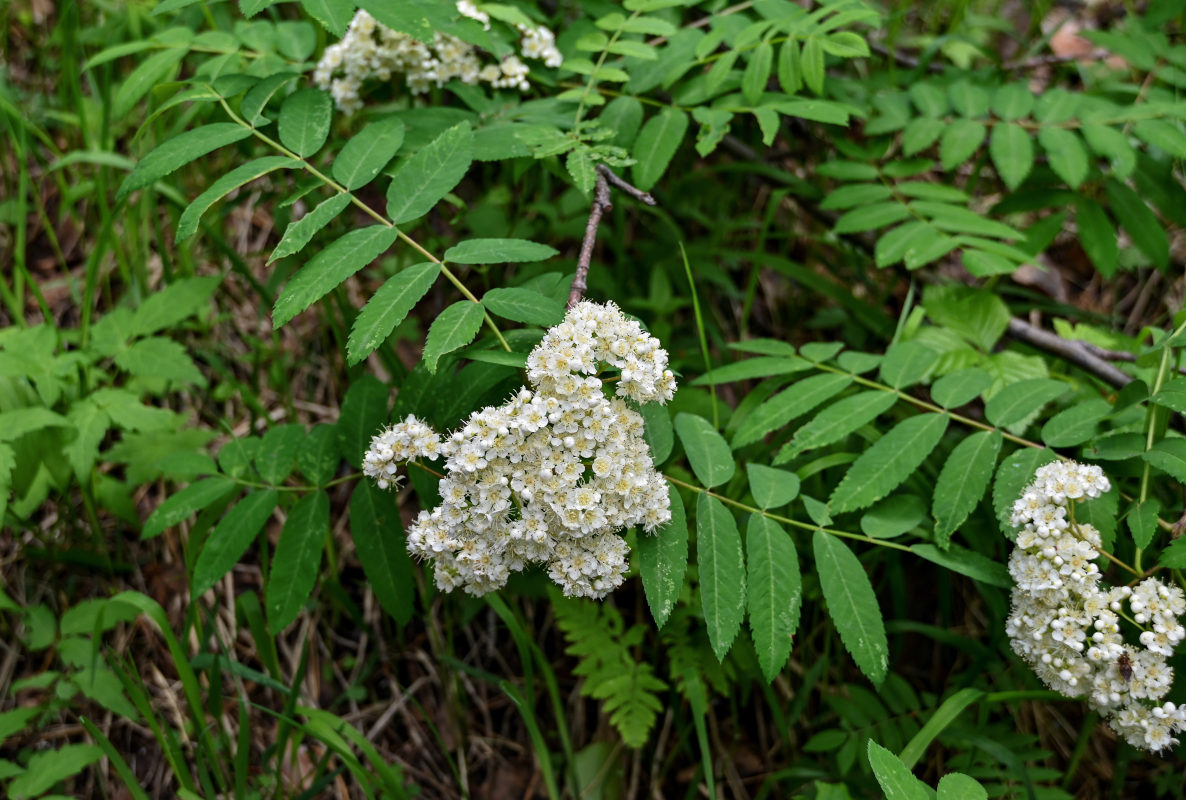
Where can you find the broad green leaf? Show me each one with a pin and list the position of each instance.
(430, 174)
(49, 767)
(845, 44)
(928, 98)
(657, 142)
(1168, 455)
(722, 572)
(968, 99)
(297, 559)
(888, 462)
(761, 367)
(335, 15)
(871, 217)
(305, 118)
(623, 116)
(152, 71)
(757, 73)
(771, 487)
(663, 560)
(298, 233)
(958, 786)
(158, 357)
(1012, 153)
(90, 424)
(774, 589)
(1097, 235)
(1077, 424)
(379, 539)
(1013, 101)
(1163, 135)
(364, 410)
(388, 307)
(960, 141)
(979, 316)
(7, 463)
(852, 605)
(1113, 145)
(707, 451)
(319, 455)
(907, 363)
(837, 421)
(947, 712)
(367, 152)
(498, 251)
(982, 264)
(657, 431)
(231, 538)
(331, 266)
(962, 482)
(186, 503)
(1139, 221)
(1019, 400)
(1142, 521)
(252, 105)
(921, 133)
(454, 327)
(1066, 153)
(179, 300)
(187, 226)
(894, 777)
(179, 151)
(855, 194)
(902, 242)
(788, 404)
(958, 219)
(524, 305)
(1013, 475)
(966, 562)
(894, 516)
(278, 451)
(811, 61)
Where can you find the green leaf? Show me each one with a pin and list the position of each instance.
(1017, 401)
(907, 363)
(789, 404)
(962, 482)
(187, 226)
(1013, 101)
(19, 421)
(335, 15)
(852, 605)
(7, 463)
(179, 151)
(1162, 135)
(1097, 235)
(231, 538)
(921, 133)
(580, 167)
(958, 786)
(774, 592)
(655, 146)
(837, 421)
(888, 462)
(186, 503)
(158, 357)
(871, 217)
(1067, 155)
(707, 451)
(947, 712)
(152, 71)
(1139, 220)
(498, 251)
(1168, 455)
(430, 174)
(48, 767)
(979, 316)
(388, 307)
(344, 256)
(893, 516)
(663, 560)
(1077, 424)
(278, 451)
(179, 300)
(90, 423)
(1112, 145)
(1013, 475)
(252, 105)
(319, 456)
(305, 118)
(367, 152)
(762, 367)
(524, 305)
(379, 539)
(1142, 521)
(811, 61)
(657, 431)
(771, 487)
(960, 141)
(364, 410)
(1012, 153)
(298, 233)
(855, 194)
(928, 98)
(722, 572)
(757, 73)
(454, 327)
(968, 99)
(845, 44)
(894, 777)
(297, 559)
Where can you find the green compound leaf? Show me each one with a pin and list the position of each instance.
(962, 482)
(430, 174)
(852, 605)
(388, 307)
(454, 327)
(907, 363)
(1142, 521)
(1012, 153)
(319, 455)
(772, 487)
(656, 144)
(498, 251)
(367, 152)
(722, 572)
(1018, 401)
(837, 421)
(187, 226)
(663, 561)
(330, 267)
(788, 404)
(1169, 456)
(960, 141)
(335, 15)
(186, 503)
(230, 540)
(304, 123)
(888, 462)
(179, 151)
(49, 767)
(775, 592)
(707, 451)
(1066, 153)
(1077, 424)
(181, 299)
(379, 538)
(524, 305)
(297, 559)
(894, 777)
(298, 234)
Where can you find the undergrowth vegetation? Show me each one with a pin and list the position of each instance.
(665, 398)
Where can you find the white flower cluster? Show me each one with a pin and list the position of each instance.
(372, 50)
(1066, 624)
(552, 475)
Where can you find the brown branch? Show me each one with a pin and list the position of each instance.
(1073, 351)
(601, 204)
